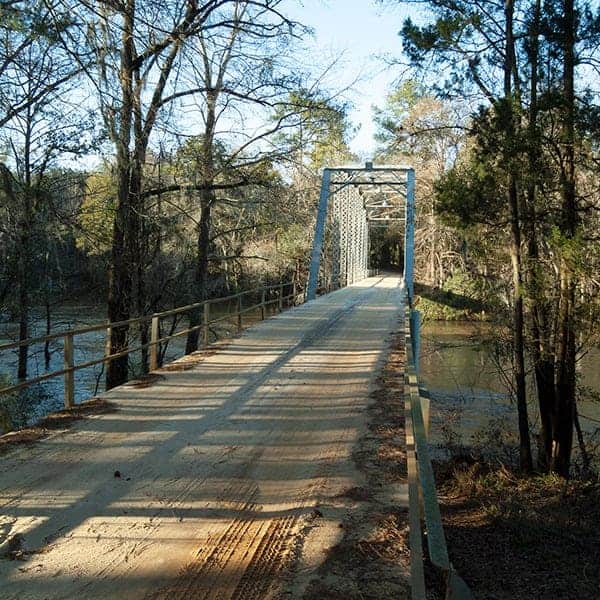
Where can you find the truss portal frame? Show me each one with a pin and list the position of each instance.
(352, 200)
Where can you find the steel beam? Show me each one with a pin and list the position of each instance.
(351, 200)
(315, 261)
(409, 235)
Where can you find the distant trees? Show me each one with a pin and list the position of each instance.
(209, 85)
(133, 50)
(524, 170)
(143, 61)
(243, 70)
(431, 147)
(39, 124)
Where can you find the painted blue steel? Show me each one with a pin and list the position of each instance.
(409, 234)
(349, 234)
(315, 261)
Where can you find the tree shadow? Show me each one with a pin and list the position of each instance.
(458, 302)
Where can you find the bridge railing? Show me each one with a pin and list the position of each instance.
(281, 295)
(422, 495)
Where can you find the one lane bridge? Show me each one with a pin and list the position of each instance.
(224, 475)
(220, 466)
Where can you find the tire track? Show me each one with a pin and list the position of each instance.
(267, 562)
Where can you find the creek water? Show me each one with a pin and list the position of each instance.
(468, 391)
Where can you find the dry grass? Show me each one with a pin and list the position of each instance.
(521, 537)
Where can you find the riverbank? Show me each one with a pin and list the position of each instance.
(451, 303)
(514, 537)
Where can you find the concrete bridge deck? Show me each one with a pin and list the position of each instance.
(221, 466)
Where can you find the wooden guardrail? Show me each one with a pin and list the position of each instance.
(422, 495)
(277, 290)
(68, 337)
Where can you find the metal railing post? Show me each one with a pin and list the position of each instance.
(409, 235)
(262, 305)
(315, 261)
(70, 374)
(280, 297)
(206, 319)
(239, 313)
(154, 335)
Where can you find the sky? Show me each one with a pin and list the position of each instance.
(363, 33)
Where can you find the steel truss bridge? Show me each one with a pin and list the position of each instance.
(353, 200)
(224, 457)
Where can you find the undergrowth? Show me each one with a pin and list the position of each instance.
(516, 536)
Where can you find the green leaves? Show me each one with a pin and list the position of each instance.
(469, 194)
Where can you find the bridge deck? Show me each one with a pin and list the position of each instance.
(221, 466)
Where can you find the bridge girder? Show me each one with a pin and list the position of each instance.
(352, 200)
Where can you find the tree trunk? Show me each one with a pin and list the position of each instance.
(48, 311)
(564, 417)
(23, 281)
(540, 336)
(525, 459)
(120, 283)
(207, 198)
(120, 279)
(201, 272)
(23, 284)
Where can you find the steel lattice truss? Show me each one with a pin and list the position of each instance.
(353, 200)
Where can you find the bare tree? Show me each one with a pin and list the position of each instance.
(38, 125)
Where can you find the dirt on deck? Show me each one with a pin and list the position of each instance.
(57, 422)
(372, 559)
(262, 471)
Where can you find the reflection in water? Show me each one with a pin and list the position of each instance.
(467, 389)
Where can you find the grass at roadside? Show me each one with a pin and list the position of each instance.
(521, 538)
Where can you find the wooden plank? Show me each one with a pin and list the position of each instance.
(109, 326)
(154, 335)
(69, 373)
(206, 321)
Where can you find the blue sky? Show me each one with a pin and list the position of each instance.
(362, 31)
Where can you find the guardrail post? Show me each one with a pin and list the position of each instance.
(206, 319)
(409, 235)
(262, 304)
(70, 374)
(154, 335)
(107, 343)
(280, 297)
(294, 293)
(239, 313)
(415, 336)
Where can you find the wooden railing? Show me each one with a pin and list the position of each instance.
(422, 494)
(269, 295)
